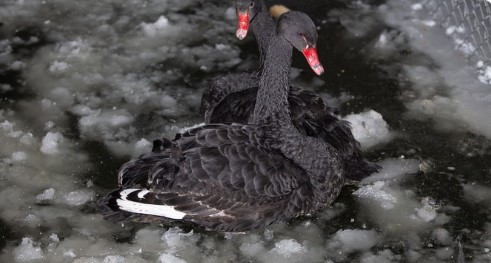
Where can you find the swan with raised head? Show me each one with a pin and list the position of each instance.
(237, 177)
(232, 98)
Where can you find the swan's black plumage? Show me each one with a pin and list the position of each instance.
(232, 98)
(235, 177)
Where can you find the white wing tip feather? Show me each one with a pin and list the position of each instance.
(147, 209)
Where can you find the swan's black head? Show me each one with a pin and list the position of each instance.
(300, 31)
(246, 12)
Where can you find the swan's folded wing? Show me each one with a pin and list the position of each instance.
(225, 177)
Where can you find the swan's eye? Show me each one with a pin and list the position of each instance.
(251, 4)
(301, 35)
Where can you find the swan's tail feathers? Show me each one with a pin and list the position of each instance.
(359, 169)
(140, 205)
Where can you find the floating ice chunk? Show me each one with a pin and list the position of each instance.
(168, 258)
(177, 240)
(104, 124)
(288, 247)
(19, 156)
(54, 237)
(382, 41)
(78, 197)
(168, 101)
(5, 87)
(17, 65)
(69, 253)
(441, 236)
(62, 96)
(417, 6)
(251, 249)
(28, 251)
(110, 118)
(32, 220)
(27, 139)
(81, 110)
(426, 213)
(142, 146)
(485, 75)
(7, 126)
(51, 142)
(268, 234)
(46, 196)
(58, 67)
(385, 256)
(393, 170)
(74, 49)
(378, 192)
(114, 259)
(152, 29)
(429, 23)
(369, 128)
(355, 239)
(466, 47)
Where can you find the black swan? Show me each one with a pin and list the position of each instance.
(236, 177)
(231, 98)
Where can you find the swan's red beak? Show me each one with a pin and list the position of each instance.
(243, 24)
(310, 54)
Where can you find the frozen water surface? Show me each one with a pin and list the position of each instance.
(85, 85)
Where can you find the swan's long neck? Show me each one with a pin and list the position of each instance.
(272, 106)
(262, 26)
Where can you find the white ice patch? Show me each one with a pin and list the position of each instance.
(78, 197)
(287, 248)
(176, 240)
(51, 142)
(393, 170)
(58, 66)
(384, 256)
(19, 156)
(46, 196)
(369, 128)
(356, 239)
(152, 29)
(28, 251)
(416, 6)
(114, 259)
(147, 209)
(457, 98)
(441, 236)
(168, 258)
(379, 193)
(395, 209)
(142, 146)
(484, 73)
(427, 212)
